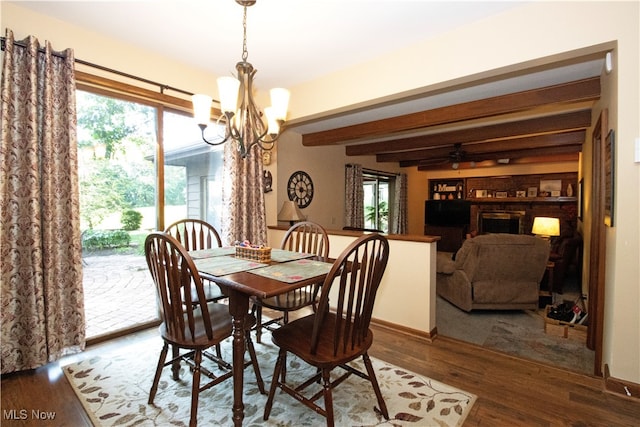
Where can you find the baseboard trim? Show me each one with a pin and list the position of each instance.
(620, 387)
(415, 333)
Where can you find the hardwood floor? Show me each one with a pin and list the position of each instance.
(511, 391)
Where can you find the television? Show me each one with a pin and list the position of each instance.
(447, 213)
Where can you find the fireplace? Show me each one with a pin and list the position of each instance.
(502, 222)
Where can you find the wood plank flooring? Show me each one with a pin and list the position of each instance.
(511, 391)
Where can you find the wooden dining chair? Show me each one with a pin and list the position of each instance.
(306, 237)
(194, 235)
(337, 334)
(186, 326)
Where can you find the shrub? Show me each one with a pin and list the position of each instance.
(105, 239)
(131, 220)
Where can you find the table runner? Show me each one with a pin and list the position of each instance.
(281, 255)
(294, 271)
(222, 265)
(208, 253)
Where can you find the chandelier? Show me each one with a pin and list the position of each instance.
(242, 118)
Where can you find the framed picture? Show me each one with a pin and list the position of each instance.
(555, 193)
(521, 193)
(532, 192)
(501, 194)
(609, 177)
(550, 185)
(481, 193)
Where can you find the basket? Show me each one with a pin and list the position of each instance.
(253, 254)
(564, 329)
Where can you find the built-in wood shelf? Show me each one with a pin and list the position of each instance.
(521, 200)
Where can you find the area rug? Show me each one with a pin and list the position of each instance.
(537, 345)
(516, 332)
(114, 389)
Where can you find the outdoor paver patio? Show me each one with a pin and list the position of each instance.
(118, 292)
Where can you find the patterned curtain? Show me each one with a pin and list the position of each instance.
(244, 215)
(42, 309)
(399, 223)
(354, 196)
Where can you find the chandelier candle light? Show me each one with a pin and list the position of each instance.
(243, 120)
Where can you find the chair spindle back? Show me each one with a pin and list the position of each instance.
(174, 273)
(307, 237)
(357, 273)
(195, 234)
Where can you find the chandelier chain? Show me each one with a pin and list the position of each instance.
(245, 52)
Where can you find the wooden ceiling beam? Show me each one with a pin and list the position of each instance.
(569, 157)
(551, 152)
(531, 152)
(556, 123)
(580, 90)
(535, 141)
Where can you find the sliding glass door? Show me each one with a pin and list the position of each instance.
(141, 167)
(116, 143)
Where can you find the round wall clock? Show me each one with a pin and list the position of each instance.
(300, 189)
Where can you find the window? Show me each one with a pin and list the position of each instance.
(377, 199)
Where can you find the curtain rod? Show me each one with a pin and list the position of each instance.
(377, 172)
(163, 87)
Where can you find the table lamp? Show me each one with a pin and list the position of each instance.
(290, 212)
(546, 227)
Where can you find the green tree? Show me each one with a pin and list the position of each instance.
(131, 220)
(118, 177)
(380, 219)
(110, 122)
(99, 193)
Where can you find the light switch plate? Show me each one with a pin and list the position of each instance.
(636, 156)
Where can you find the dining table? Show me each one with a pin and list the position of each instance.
(240, 279)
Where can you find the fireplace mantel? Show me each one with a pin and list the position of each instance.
(520, 200)
(564, 208)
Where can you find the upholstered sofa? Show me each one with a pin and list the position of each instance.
(493, 272)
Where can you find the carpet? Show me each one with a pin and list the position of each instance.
(516, 332)
(537, 345)
(114, 389)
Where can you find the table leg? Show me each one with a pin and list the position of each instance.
(238, 307)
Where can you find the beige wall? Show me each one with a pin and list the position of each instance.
(531, 34)
(325, 166)
(411, 271)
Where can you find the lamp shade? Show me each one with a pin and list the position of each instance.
(545, 226)
(290, 212)
(228, 88)
(201, 108)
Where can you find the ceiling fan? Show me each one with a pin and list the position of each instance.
(443, 157)
(458, 154)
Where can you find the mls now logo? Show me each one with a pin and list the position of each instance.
(23, 414)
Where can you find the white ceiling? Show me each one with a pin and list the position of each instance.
(289, 41)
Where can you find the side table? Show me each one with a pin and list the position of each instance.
(546, 286)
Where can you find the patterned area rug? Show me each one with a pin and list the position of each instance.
(114, 389)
